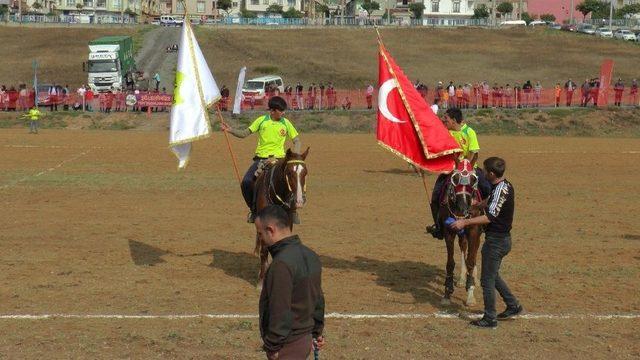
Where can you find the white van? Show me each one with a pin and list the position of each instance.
(513, 23)
(170, 20)
(255, 88)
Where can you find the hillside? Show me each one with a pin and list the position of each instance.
(345, 56)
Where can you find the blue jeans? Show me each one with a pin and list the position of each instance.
(248, 183)
(496, 246)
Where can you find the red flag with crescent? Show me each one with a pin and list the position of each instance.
(406, 124)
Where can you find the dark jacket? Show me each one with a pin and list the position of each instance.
(291, 302)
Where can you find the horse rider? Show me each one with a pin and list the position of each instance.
(273, 130)
(468, 141)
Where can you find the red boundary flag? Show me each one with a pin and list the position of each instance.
(406, 124)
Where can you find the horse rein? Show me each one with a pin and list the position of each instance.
(273, 189)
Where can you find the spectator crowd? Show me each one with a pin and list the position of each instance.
(326, 97)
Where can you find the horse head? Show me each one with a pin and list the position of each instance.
(463, 186)
(295, 174)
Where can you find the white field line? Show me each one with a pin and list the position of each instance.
(435, 315)
(577, 152)
(48, 147)
(45, 171)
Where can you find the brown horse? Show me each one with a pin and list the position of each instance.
(282, 183)
(461, 191)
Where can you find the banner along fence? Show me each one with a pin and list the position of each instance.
(340, 100)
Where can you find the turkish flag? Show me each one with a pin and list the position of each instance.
(406, 124)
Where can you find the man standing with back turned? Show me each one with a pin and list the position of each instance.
(497, 244)
(291, 303)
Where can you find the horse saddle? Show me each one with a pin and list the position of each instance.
(264, 165)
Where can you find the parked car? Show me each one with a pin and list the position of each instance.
(538, 23)
(256, 88)
(513, 23)
(586, 29)
(555, 26)
(625, 34)
(170, 20)
(604, 32)
(568, 27)
(155, 21)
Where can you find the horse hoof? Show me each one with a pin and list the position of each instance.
(445, 302)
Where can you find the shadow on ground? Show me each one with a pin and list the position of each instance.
(143, 254)
(422, 281)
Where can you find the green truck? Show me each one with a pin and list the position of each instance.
(110, 59)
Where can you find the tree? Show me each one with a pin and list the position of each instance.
(79, 6)
(592, 6)
(370, 5)
(481, 12)
(36, 5)
(527, 18)
(247, 14)
(629, 9)
(417, 8)
(292, 13)
(274, 9)
(224, 5)
(505, 8)
(548, 17)
(322, 9)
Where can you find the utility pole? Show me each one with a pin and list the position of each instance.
(571, 10)
(610, 15)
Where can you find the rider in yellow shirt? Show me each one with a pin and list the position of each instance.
(272, 130)
(468, 141)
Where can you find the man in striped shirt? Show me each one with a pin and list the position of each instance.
(497, 244)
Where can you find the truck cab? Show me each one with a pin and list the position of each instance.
(110, 58)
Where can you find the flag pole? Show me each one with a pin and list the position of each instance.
(226, 135)
(418, 170)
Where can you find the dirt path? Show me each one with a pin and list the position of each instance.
(153, 58)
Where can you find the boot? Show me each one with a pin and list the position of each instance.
(435, 230)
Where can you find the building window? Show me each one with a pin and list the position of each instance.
(115, 4)
(291, 3)
(101, 3)
(234, 4)
(179, 7)
(255, 2)
(265, 2)
(200, 7)
(88, 4)
(435, 6)
(71, 3)
(456, 7)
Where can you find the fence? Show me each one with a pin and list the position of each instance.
(260, 21)
(72, 19)
(628, 23)
(340, 100)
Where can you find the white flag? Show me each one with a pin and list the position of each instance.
(195, 90)
(237, 101)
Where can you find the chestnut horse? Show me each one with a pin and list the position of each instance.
(282, 183)
(459, 202)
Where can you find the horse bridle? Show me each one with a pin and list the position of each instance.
(272, 188)
(465, 177)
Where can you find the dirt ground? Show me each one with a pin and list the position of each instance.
(100, 222)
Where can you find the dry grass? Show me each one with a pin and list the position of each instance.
(345, 56)
(348, 56)
(59, 51)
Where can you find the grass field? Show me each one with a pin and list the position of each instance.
(100, 222)
(345, 56)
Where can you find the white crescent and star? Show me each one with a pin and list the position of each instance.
(383, 93)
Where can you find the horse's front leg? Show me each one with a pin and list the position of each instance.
(462, 281)
(471, 267)
(451, 264)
